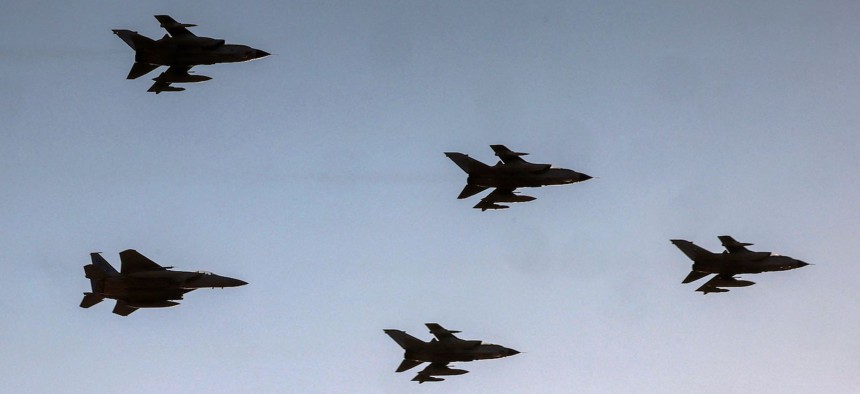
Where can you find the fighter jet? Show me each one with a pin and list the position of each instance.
(141, 283)
(445, 348)
(510, 173)
(735, 260)
(180, 50)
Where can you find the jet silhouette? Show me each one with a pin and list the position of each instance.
(445, 348)
(510, 173)
(736, 260)
(180, 50)
(141, 283)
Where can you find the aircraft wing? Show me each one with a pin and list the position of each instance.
(501, 194)
(173, 27)
(430, 373)
(711, 287)
(441, 333)
(733, 246)
(508, 156)
(131, 261)
(716, 284)
(171, 75)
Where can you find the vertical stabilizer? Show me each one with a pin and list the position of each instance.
(102, 264)
(466, 163)
(690, 249)
(406, 341)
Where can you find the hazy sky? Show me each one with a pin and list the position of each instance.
(318, 176)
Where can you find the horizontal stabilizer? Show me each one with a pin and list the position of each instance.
(140, 69)
(407, 365)
(123, 309)
(694, 276)
(471, 190)
(90, 299)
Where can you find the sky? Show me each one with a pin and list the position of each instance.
(318, 176)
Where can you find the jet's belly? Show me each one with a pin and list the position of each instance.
(505, 181)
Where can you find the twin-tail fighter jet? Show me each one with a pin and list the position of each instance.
(141, 283)
(445, 348)
(510, 173)
(735, 260)
(180, 50)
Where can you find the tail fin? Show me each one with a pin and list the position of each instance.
(690, 249)
(466, 163)
(91, 299)
(96, 273)
(134, 40)
(406, 341)
(103, 265)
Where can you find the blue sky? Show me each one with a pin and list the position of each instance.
(317, 175)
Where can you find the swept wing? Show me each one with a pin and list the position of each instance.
(716, 284)
(131, 261)
(173, 27)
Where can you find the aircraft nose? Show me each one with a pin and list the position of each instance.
(801, 264)
(512, 352)
(258, 54)
(237, 283)
(232, 282)
(584, 177)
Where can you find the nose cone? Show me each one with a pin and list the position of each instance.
(260, 54)
(231, 282)
(511, 352)
(584, 177)
(801, 264)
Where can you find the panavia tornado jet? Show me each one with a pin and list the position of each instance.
(510, 173)
(445, 348)
(180, 50)
(141, 283)
(735, 260)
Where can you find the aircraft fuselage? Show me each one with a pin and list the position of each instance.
(746, 263)
(182, 52)
(151, 287)
(445, 353)
(514, 177)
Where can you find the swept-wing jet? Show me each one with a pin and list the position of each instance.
(735, 260)
(141, 283)
(510, 173)
(445, 348)
(180, 50)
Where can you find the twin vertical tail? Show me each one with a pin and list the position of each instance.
(97, 272)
